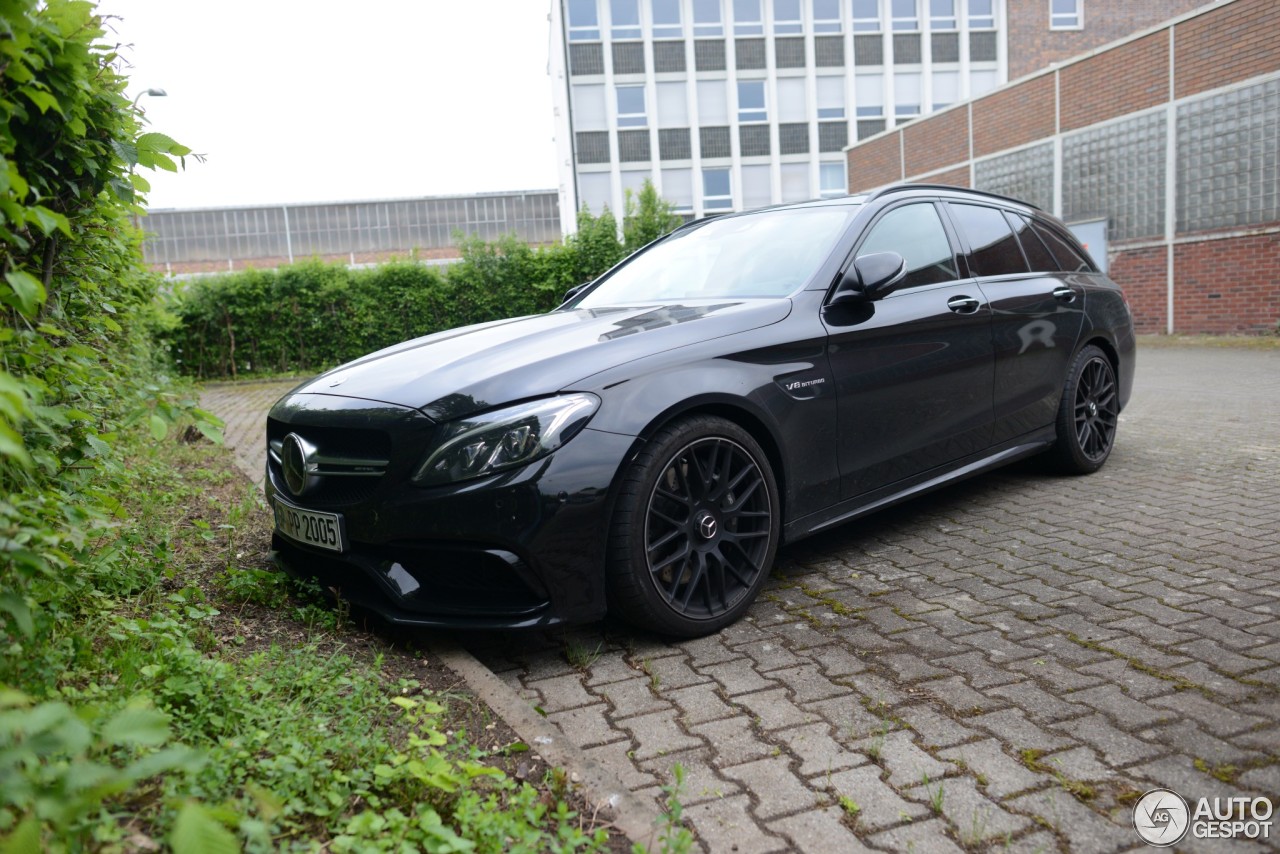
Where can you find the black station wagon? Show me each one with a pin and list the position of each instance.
(743, 382)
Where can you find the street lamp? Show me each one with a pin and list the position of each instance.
(155, 93)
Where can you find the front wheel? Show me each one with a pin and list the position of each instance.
(1087, 414)
(695, 529)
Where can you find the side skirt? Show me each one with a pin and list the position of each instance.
(862, 505)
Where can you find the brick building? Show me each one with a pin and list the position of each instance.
(1169, 141)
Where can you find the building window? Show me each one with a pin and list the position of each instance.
(715, 190)
(707, 20)
(946, 88)
(831, 98)
(831, 180)
(826, 16)
(1065, 14)
(588, 108)
(906, 15)
(713, 103)
(631, 111)
(751, 106)
(747, 19)
(981, 16)
(666, 19)
(942, 15)
(869, 95)
(866, 16)
(584, 25)
(626, 19)
(906, 96)
(786, 17)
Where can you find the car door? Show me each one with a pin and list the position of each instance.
(1036, 315)
(913, 370)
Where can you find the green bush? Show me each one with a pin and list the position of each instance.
(311, 316)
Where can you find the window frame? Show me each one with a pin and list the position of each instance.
(753, 115)
(823, 192)
(866, 25)
(1067, 21)
(705, 28)
(789, 26)
(900, 24)
(728, 199)
(947, 23)
(826, 26)
(628, 32)
(967, 247)
(745, 26)
(643, 115)
(582, 32)
(981, 22)
(668, 30)
(958, 261)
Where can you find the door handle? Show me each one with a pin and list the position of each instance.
(963, 305)
(1064, 294)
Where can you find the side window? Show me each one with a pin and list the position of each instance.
(1069, 258)
(915, 233)
(994, 250)
(1038, 255)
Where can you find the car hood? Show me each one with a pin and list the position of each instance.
(453, 373)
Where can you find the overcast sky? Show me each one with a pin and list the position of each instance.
(316, 100)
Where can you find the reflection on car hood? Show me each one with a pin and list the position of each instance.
(453, 373)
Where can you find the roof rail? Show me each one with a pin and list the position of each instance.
(898, 188)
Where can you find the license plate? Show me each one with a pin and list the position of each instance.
(322, 530)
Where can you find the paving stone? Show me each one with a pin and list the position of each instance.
(738, 677)
(879, 805)
(726, 824)
(632, 697)
(657, 734)
(1053, 673)
(1116, 746)
(1224, 659)
(1179, 774)
(937, 730)
(705, 651)
(1040, 706)
(1151, 631)
(1084, 829)
(774, 709)
(1110, 700)
(608, 669)
(1134, 682)
(1216, 717)
(615, 757)
(956, 694)
(807, 683)
(817, 751)
(999, 774)
(1188, 738)
(1012, 726)
(1078, 763)
(701, 782)
(563, 692)
(777, 789)
(588, 725)
(926, 837)
(821, 829)
(671, 672)
(700, 703)
(904, 762)
(974, 817)
(734, 741)
(848, 717)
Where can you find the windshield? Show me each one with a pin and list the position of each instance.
(766, 254)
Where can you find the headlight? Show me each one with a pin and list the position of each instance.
(505, 438)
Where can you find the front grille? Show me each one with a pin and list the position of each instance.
(355, 458)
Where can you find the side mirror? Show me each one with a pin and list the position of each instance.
(870, 277)
(573, 292)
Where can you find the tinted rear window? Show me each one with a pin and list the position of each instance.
(1069, 258)
(1038, 255)
(993, 248)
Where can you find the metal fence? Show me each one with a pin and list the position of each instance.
(289, 232)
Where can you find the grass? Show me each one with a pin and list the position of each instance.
(223, 703)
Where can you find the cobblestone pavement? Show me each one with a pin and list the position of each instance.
(1009, 662)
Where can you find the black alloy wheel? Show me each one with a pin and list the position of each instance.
(1088, 414)
(695, 530)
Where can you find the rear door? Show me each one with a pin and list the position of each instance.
(913, 371)
(1036, 314)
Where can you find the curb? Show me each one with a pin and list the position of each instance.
(637, 818)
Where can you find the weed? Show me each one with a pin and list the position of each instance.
(1224, 773)
(580, 656)
(674, 837)
(850, 807)
(936, 794)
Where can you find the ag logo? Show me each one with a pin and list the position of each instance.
(1161, 818)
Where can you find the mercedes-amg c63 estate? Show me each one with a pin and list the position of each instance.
(741, 383)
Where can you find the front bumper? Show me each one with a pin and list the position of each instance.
(520, 549)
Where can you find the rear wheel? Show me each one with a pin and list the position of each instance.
(1087, 414)
(695, 529)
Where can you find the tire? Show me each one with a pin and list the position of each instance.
(1087, 414)
(694, 530)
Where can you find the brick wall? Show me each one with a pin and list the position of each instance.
(1222, 282)
(1014, 116)
(1032, 45)
(1227, 286)
(1227, 46)
(1123, 80)
(1143, 275)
